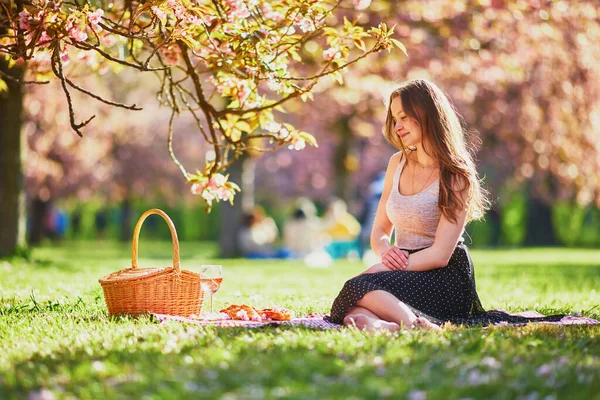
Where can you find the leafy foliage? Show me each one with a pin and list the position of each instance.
(246, 52)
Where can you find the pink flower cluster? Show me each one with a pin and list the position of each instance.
(177, 8)
(237, 9)
(214, 188)
(76, 31)
(160, 14)
(95, 18)
(331, 54)
(361, 4)
(269, 14)
(24, 18)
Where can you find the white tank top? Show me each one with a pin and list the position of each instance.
(416, 217)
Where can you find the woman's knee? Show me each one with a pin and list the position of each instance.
(376, 268)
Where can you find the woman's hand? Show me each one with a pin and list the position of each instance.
(395, 259)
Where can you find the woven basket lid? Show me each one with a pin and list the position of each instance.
(129, 274)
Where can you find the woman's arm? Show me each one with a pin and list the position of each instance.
(382, 226)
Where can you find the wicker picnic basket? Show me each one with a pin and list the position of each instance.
(168, 290)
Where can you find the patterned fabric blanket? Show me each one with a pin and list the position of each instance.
(316, 321)
(310, 321)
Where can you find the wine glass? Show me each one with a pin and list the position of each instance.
(211, 277)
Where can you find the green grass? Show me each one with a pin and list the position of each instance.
(57, 341)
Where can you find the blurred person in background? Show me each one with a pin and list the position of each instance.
(303, 235)
(259, 236)
(367, 218)
(342, 229)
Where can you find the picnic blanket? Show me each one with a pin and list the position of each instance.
(310, 321)
(316, 321)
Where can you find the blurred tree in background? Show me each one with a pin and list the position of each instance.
(522, 73)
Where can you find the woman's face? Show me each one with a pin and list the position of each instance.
(407, 128)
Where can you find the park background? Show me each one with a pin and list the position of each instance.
(524, 76)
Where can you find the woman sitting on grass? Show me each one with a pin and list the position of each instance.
(431, 191)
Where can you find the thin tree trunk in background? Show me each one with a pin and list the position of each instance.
(495, 220)
(126, 212)
(12, 146)
(340, 156)
(37, 217)
(241, 173)
(540, 229)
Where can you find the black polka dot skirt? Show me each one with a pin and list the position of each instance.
(441, 295)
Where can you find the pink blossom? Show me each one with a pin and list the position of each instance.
(177, 8)
(44, 38)
(160, 14)
(237, 9)
(243, 92)
(217, 180)
(223, 193)
(108, 40)
(192, 19)
(24, 18)
(268, 13)
(283, 133)
(331, 53)
(272, 127)
(208, 19)
(197, 188)
(208, 195)
(64, 56)
(306, 25)
(299, 144)
(95, 18)
(77, 34)
(361, 4)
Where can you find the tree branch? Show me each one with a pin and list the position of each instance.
(59, 73)
(95, 96)
(12, 78)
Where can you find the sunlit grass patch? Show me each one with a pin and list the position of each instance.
(57, 340)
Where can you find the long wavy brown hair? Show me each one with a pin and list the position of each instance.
(445, 139)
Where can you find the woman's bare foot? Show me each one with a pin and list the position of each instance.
(372, 325)
(425, 324)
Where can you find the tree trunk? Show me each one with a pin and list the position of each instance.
(12, 147)
(540, 230)
(242, 173)
(37, 218)
(340, 157)
(495, 220)
(126, 213)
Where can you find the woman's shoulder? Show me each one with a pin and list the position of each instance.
(397, 158)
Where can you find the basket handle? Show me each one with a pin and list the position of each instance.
(136, 235)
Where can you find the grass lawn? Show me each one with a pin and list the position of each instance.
(56, 340)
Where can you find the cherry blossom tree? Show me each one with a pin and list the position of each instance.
(228, 63)
(523, 75)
